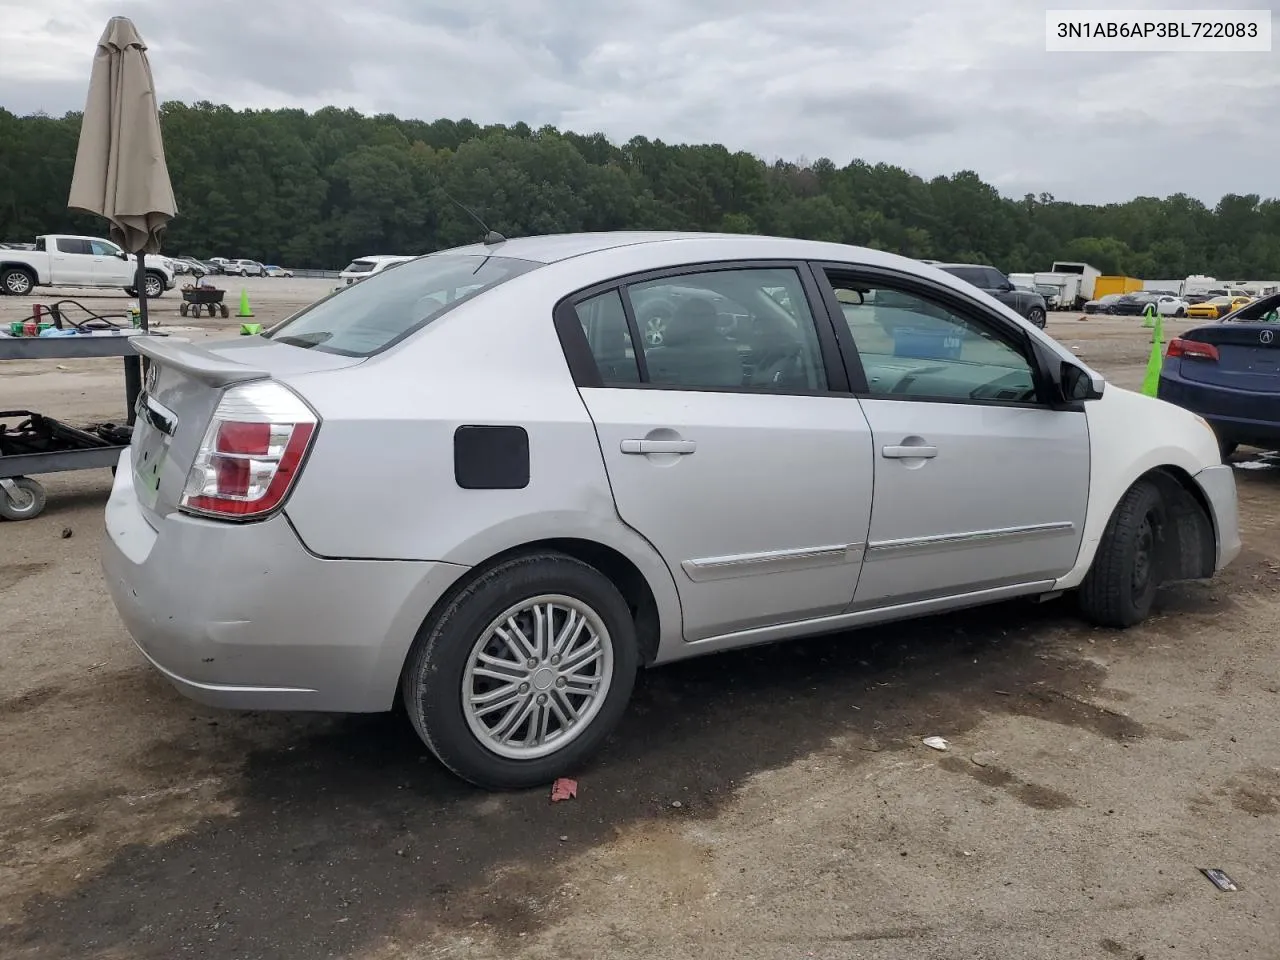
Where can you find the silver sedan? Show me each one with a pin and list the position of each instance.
(480, 483)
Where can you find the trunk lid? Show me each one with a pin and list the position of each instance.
(1248, 357)
(181, 389)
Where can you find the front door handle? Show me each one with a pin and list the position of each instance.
(644, 447)
(909, 452)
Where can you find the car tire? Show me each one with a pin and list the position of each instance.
(1226, 448)
(17, 282)
(440, 675)
(1179, 313)
(1036, 317)
(1121, 585)
(153, 285)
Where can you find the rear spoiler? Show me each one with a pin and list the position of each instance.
(195, 361)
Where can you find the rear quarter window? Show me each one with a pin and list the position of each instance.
(366, 318)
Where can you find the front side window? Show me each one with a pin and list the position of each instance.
(915, 348)
(368, 317)
(101, 248)
(744, 329)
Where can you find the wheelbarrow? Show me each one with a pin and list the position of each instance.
(208, 298)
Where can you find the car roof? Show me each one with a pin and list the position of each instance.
(979, 266)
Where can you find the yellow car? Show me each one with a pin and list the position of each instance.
(1215, 308)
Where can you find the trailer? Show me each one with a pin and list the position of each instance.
(1088, 279)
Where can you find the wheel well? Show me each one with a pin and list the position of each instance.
(1189, 545)
(21, 268)
(624, 574)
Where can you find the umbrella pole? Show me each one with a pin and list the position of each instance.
(133, 364)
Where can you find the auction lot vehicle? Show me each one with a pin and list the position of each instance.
(1216, 307)
(60, 260)
(365, 267)
(1027, 303)
(1229, 373)
(472, 484)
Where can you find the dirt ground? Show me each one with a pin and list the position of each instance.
(774, 803)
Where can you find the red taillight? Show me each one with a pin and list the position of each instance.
(251, 452)
(1192, 349)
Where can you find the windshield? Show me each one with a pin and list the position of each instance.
(372, 315)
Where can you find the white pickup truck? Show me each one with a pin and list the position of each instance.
(60, 260)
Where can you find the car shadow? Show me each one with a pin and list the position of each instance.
(354, 833)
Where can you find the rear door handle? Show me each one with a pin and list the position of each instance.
(644, 447)
(909, 453)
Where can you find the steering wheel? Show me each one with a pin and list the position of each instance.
(782, 366)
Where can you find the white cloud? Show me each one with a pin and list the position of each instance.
(933, 86)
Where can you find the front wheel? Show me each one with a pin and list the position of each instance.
(1036, 316)
(1120, 587)
(524, 673)
(153, 285)
(1226, 448)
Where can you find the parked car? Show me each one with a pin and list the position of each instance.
(364, 267)
(1027, 303)
(1216, 308)
(1102, 304)
(271, 270)
(1229, 373)
(61, 260)
(1135, 304)
(243, 268)
(190, 266)
(212, 267)
(554, 501)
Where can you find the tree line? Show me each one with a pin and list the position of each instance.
(317, 189)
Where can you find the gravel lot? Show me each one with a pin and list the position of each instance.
(774, 803)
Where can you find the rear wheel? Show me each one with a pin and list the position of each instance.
(524, 673)
(16, 282)
(1121, 585)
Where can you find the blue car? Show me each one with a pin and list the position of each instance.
(1228, 372)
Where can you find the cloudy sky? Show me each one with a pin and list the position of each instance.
(933, 85)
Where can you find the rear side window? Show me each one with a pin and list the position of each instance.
(605, 324)
(359, 266)
(73, 245)
(974, 275)
(368, 317)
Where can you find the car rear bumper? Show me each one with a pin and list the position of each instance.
(1219, 486)
(243, 616)
(1239, 416)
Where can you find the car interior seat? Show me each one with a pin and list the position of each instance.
(693, 351)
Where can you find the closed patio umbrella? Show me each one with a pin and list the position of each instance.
(120, 171)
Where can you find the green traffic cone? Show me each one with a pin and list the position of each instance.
(250, 329)
(1149, 315)
(1151, 382)
(245, 309)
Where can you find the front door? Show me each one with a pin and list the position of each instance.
(727, 445)
(979, 485)
(109, 268)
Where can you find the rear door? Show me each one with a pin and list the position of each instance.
(71, 262)
(979, 485)
(732, 444)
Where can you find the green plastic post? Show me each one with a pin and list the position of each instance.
(1151, 382)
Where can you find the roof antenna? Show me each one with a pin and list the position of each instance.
(491, 237)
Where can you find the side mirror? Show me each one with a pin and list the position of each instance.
(122, 255)
(1077, 384)
(1008, 286)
